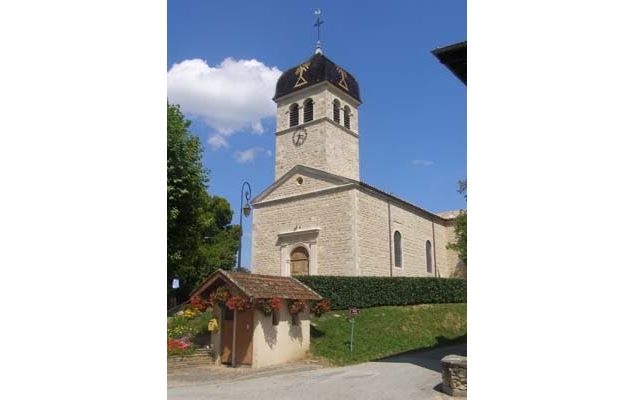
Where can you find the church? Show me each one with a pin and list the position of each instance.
(317, 217)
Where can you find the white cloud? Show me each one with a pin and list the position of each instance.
(217, 141)
(249, 155)
(230, 97)
(256, 127)
(425, 163)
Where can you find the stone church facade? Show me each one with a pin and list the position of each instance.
(317, 218)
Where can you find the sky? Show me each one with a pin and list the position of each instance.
(224, 59)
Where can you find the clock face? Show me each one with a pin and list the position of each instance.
(299, 137)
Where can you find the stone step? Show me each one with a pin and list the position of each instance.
(176, 367)
(198, 351)
(189, 360)
(190, 365)
(191, 357)
(200, 357)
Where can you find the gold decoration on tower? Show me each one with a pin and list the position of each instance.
(299, 72)
(343, 76)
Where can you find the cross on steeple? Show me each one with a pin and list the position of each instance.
(318, 22)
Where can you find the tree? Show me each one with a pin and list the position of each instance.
(200, 237)
(460, 228)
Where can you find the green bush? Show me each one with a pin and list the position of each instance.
(374, 291)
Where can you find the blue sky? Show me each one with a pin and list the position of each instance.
(413, 117)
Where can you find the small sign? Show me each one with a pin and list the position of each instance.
(175, 283)
(354, 311)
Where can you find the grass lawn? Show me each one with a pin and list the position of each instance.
(384, 331)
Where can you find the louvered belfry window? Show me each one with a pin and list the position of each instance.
(293, 115)
(336, 111)
(347, 117)
(308, 110)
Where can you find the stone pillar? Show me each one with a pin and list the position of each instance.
(454, 369)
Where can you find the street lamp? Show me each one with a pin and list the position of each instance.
(245, 193)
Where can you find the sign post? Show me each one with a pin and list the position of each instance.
(354, 311)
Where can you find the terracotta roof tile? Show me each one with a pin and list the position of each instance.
(262, 286)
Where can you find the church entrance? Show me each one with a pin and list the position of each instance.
(299, 261)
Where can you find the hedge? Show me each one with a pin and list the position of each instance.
(374, 291)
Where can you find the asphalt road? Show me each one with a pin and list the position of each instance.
(408, 376)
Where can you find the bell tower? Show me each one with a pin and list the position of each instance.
(317, 119)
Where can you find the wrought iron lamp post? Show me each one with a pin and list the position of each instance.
(245, 194)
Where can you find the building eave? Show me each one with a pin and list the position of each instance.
(316, 87)
(454, 57)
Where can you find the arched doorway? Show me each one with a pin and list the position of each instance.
(299, 261)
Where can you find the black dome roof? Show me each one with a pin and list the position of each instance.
(315, 70)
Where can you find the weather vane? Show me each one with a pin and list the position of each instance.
(317, 23)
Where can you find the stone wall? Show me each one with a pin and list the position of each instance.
(454, 372)
(329, 215)
(374, 231)
(342, 151)
(347, 232)
(323, 95)
(372, 236)
(293, 187)
(312, 153)
(328, 146)
(415, 230)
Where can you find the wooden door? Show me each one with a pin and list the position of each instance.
(299, 261)
(227, 336)
(244, 337)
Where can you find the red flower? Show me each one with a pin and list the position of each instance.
(198, 303)
(297, 306)
(320, 307)
(270, 305)
(177, 344)
(238, 303)
(275, 303)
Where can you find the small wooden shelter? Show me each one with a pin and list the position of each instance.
(249, 337)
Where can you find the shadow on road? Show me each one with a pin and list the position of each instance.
(430, 358)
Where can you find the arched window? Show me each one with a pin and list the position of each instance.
(428, 256)
(299, 261)
(347, 117)
(308, 110)
(293, 115)
(336, 111)
(397, 249)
